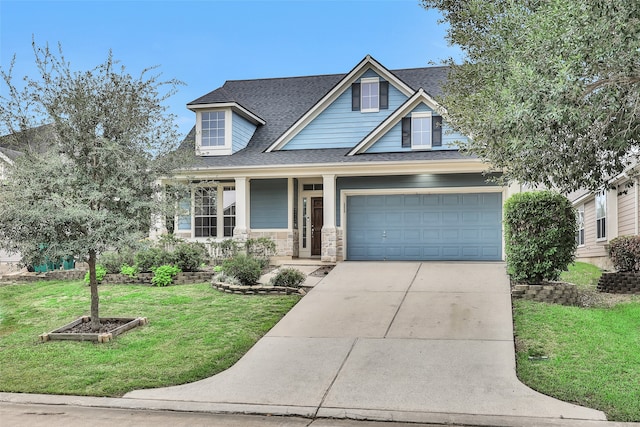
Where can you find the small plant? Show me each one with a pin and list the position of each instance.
(217, 269)
(262, 248)
(223, 278)
(245, 268)
(163, 275)
(129, 270)
(624, 252)
(289, 277)
(100, 273)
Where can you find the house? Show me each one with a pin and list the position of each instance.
(355, 166)
(604, 215)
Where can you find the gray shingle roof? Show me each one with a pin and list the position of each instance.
(282, 101)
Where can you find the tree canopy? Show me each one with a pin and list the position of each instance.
(548, 90)
(86, 181)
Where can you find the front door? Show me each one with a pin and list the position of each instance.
(316, 225)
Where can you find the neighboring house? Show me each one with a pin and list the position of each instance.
(605, 215)
(356, 166)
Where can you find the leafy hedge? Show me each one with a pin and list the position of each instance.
(624, 252)
(540, 228)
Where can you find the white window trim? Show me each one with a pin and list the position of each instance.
(421, 115)
(581, 226)
(368, 80)
(225, 149)
(602, 194)
(219, 213)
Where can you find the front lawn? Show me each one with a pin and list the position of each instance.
(593, 353)
(194, 332)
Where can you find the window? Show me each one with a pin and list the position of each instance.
(205, 212)
(580, 221)
(213, 214)
(229, 210)
(370, 95)
(601, 215)
(422, 131)
(213, 133)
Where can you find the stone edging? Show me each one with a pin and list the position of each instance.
(620, 282)
(257, 290)
(553, 293)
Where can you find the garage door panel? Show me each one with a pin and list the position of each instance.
(425, 227)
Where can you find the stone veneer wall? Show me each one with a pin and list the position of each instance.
(553, 293)
(284, 240)
(621, 282)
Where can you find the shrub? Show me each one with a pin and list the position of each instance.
(245, 268)
(223, 278)
(150, 258)
(129, 270)
(164, 274)
(540, 229)
(262, 248)
(113, 261)
(100, 273)
(624, 252)
(289, 277)
(188, 256)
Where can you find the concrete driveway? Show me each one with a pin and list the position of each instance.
(402, 341)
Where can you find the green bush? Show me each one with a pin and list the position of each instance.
(188, 256)
(100, 273)
(624, 252)
(150, 258)
(262, 248)
(164, 274)
(246, 269)
(289, 277)
(113, 261)
(129, 270)
(540, 228)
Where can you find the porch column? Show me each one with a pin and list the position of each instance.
(329, 232)
(240, 231)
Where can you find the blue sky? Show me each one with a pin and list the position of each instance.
(203, 43)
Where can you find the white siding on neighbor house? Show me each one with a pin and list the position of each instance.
(591, 248)
(627, 211)
(340, 127)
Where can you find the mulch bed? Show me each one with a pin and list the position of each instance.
(106, 326)
(322, 271)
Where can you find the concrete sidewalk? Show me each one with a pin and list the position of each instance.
(414, 342)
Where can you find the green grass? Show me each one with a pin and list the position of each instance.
(194, 332)
(593, 353)
(582, 274)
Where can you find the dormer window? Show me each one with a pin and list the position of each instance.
(213, 132)
(213, 128)
(422, 131)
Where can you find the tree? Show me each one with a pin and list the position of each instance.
(87, 184)
(549, 91)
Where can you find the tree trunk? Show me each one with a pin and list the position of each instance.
(93, 284)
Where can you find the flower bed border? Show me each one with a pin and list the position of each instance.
(257, 289)
(60, 334)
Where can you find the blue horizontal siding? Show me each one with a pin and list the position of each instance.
(268, 203)
(242, 131)
(339, 127)
(391, 142)
(408, 182)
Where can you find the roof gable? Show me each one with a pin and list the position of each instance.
(368, 63)
(420, 97)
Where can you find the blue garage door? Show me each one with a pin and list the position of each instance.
(425, 227)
